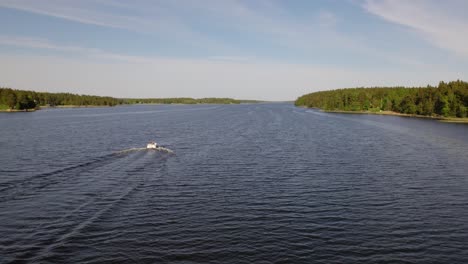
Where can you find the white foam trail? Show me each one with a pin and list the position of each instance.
(164, 149)
(129, 150)
(140, 149)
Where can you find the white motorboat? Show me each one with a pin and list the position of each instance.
(152, 145)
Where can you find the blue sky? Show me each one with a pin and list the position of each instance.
(256, 49)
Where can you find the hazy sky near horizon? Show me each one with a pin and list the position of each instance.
(252, 49)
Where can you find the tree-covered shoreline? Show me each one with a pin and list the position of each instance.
(445, 100)
(21, 100)
(182, 100)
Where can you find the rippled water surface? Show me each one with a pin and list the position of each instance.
(261, 183)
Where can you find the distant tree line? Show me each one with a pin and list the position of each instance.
(182, 100)
(447, 99)
(20, 100)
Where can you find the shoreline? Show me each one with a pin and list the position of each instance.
(17, 111)
(106, 106)
(51, 107)
(459, 120)
(74, 106)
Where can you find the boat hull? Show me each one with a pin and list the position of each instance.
(151, 146)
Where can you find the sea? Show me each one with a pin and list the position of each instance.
(248, 183)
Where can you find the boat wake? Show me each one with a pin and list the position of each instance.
(162, 149)
(16, 188)
(129, 150)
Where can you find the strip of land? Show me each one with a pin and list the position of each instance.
(25, 101)
(448, 102)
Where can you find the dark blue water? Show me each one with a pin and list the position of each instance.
(266, 183)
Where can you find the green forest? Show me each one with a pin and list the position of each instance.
(447, 99)
(182, 100)
(11, 99)
(20, 99)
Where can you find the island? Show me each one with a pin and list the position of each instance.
(447, 101)
(12, 100)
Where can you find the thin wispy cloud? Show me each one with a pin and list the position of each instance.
(267, 21)
(145, 17)
(93, 53)
(443, 23)
(160, 16)
(70, 10)
(90, 12)
(38, 43)
(43, 44)
(171, 17)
